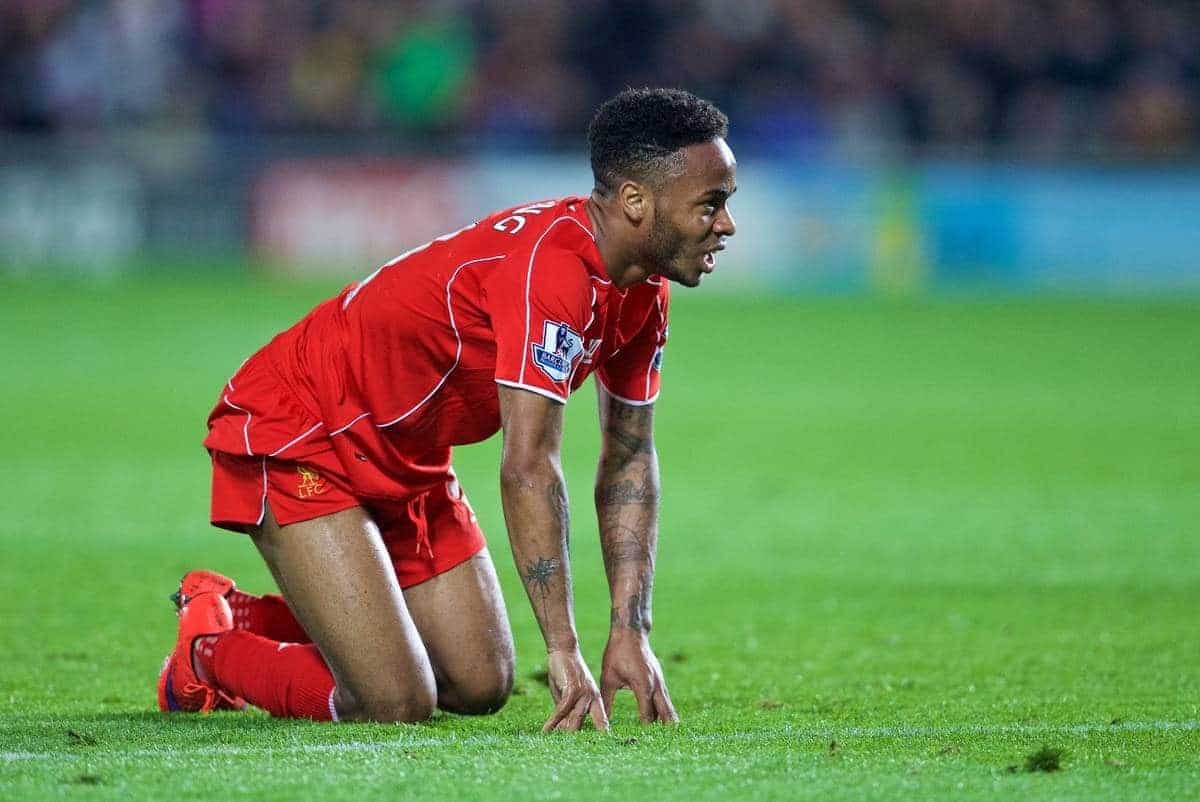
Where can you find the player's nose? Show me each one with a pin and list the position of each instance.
(724, 225)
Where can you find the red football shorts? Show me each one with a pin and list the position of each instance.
(426, 535)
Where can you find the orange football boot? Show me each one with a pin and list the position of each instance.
(179, 689)
(201, 581)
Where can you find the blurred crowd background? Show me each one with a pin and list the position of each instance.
(888, 146)
(1031, 79)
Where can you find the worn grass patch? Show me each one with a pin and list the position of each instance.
(1047, 759)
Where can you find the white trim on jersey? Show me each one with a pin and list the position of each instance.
(262, 514)
(591, 319)
(546, 393)
(586, 356)
(623, 399)
(236, 372)
(291, 443)
(529, 281)
(457, 339)
(245, 426)
(457, 353)
(650, 367)
(393, 262)
(348, 425)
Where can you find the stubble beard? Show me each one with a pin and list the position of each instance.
(664, 250)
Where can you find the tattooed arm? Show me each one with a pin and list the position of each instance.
(535, 510)
(627, 492)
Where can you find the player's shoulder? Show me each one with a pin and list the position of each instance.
(557, 222)
(549, 240)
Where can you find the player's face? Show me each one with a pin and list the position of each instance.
(691, 216)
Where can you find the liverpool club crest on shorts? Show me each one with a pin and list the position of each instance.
(561, 346)
(311, 483)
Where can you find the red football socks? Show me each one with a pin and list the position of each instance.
(288, 680)
(268, 659)
(267, 615)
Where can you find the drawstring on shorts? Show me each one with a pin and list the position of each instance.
(416, 511)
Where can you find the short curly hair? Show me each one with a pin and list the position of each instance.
(638, 133)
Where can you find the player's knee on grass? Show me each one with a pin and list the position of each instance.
(484, 692)
(411, 706)
(403, 703)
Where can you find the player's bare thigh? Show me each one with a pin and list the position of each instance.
(463, 623)
(337, 576)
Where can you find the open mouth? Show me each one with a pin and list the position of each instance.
(710, 258)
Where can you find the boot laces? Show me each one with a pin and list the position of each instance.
(211, 696)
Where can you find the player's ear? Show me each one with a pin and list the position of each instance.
(635, 201)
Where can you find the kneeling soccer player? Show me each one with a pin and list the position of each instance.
(331, 448)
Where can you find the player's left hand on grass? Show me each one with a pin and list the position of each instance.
(630, 663)
(575, 693)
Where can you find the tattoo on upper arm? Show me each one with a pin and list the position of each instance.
(629, 428)
(629, 443)
(626, 491)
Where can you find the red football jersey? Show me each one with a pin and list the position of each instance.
(404, 363)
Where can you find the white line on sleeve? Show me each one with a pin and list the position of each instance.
(650, 367)
(532, 389)
(622, 399)
(529, 279)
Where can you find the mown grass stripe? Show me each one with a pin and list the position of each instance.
(1191, 725)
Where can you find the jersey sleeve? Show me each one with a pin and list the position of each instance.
(540, 308)
(633, 374)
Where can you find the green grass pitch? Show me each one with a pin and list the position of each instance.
(905, 546)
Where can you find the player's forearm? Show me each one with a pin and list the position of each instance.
(627, 510)
(536, 512)
(627, 494)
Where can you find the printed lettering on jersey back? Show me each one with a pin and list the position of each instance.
(516, 221)
(561, 346)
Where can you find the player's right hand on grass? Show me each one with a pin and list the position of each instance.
(575, 693)
(629, 662)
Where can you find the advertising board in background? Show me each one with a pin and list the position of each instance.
(82, 218)
(349, 215)
(801, 226)
(343, 217)
(1113, 229)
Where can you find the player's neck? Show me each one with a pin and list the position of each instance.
(619, 259)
